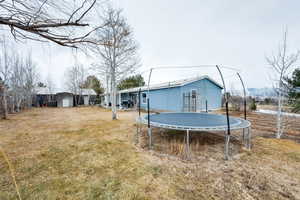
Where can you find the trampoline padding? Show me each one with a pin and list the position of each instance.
(195, 121)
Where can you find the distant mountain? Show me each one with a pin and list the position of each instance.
(261, 92)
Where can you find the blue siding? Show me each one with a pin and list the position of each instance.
(167, 99)
(206, 90)
(171, 99)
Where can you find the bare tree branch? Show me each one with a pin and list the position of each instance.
(52, 20)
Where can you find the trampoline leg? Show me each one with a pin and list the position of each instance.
(137, 133)
(150, 137)
(243, 136)
(188, 143)
(227, 140)
(249, 138)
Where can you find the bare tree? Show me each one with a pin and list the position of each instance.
(30, 78)
(75, 79)
(65, 22)
(22, 81)
(50, 86)
(18, 76)
(118, 58)
(281, 64)
(5, 74)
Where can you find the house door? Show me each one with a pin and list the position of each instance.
(193, 101)
(190, 101)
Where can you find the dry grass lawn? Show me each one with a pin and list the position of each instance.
(80, 153)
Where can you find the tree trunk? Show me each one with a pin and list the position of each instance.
(114, 98)
(13, 105)
(107, 91)
(113, 93)
(19, 105)
(4, 104)
(279, 120)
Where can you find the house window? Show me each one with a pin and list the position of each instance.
(194, 93)
(144, 97)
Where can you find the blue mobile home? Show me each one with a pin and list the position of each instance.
(188, 95)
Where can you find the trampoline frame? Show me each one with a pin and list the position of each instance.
(245, 125)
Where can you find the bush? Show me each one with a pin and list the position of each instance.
(253, 105)
(296, 106)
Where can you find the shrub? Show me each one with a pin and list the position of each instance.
(253, 105)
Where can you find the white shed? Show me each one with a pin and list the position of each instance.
(87, 94)
(64, 99)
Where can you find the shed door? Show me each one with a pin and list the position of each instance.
(65, 102)
(86, 100)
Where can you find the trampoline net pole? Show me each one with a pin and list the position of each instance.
(139, 102)
(148, 112)
(139, 119)
(148, 109)
(227, 117)
(226, 100)
(245, 109)
(245, 101)
(149, 127)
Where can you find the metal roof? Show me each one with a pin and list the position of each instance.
(297, 89)
(46, 91)
(172, 84)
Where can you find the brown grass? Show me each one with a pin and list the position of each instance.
(79, 153)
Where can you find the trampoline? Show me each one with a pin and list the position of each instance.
(197, 122)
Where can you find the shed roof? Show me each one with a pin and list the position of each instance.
(46, 91)
(172, 84)
(297, 89)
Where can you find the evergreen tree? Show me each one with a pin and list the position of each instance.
(294, 94)
(92, 82)
(131, 82)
